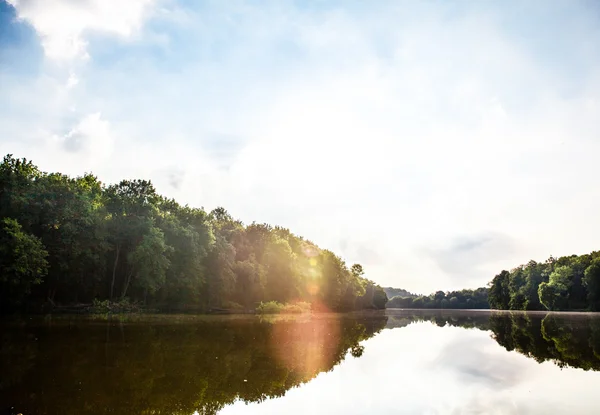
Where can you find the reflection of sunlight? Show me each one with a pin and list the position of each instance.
(306, 347)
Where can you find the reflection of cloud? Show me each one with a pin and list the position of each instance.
(469, 362)
(423, 369)
(480, 405)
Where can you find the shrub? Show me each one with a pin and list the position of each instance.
(270, 307)
(297, 308)
(121, 306)
(274, 307)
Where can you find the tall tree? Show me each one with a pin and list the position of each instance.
(591, 281)
(499, 295)
(22, 262)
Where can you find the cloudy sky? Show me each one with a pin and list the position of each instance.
(435, 142)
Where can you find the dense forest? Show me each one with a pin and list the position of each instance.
(567, 283)
(66, 240)
(464, 299)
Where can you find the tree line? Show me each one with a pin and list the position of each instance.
(398, 292)
(567, 283)
(463, 299)
(74, 240)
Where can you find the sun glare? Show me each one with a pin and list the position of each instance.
(306, 347)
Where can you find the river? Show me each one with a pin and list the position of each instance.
(392, 362)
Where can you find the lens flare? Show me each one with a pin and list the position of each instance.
(306, 346)
(310, 251)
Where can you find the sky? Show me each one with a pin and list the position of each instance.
(434, 142)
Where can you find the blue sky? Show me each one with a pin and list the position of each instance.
(435, 142)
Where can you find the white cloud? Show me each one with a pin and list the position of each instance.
(90, 138)
(395, 131)
(62, 24)
(72, 81)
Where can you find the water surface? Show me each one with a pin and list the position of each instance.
(400, 361)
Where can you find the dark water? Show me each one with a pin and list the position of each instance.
(412, 362)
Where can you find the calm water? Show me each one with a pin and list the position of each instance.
(451, 362)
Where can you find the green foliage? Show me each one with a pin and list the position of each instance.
(400, 302)
(123, 305)
(464, 299)
(553, 294)
(567, 283)
(499, 294)
(22, 262)
(273, 307)
(149, 262)
(380, 298)
(397, 292)
(592, 283)
(78, 241)
(548, 295)
(270, 307)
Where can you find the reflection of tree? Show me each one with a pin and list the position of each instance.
(573, 341)
(568, 340)
(520, 332)
(198, 365)
(19, 350)
(441, 318)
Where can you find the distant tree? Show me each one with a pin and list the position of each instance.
(418, 302)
